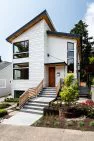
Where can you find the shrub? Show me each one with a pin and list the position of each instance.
(4, 105)
(11, 99)
(81, 123)
(69, 79)
(90, 113)
(91, 60)
(3, 112)
(69, 92)
(91, 123)
(92, 81)
(88, 103)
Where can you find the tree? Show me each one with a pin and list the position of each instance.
(0, 59)
(69, 92)
(81, 29)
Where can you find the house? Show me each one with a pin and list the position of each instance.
(5, 78)
(42, 53)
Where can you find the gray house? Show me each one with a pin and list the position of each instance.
(5, 78)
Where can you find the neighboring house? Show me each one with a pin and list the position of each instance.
(42, 53)
(5, 78)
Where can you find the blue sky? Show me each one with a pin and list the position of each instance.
(16, 13)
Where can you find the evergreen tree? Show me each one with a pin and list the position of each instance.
(81, 29)
(0, 59)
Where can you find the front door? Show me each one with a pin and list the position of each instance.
(51, 76)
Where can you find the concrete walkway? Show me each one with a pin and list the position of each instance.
(28, 133)
(24, 118)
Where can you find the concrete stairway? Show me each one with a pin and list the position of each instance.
(48, 92)
(37, 104)
(84, 91)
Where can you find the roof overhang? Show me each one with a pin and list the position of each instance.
(62, 34)
(56, 63)
(44, 15)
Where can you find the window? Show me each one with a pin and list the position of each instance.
(70, 57)
(21, 49)
(17, 94)
(21, 71)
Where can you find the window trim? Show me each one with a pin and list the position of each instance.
(21, 52)
(67, 54)
(20, 69)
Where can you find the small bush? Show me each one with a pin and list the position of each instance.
(81, 123)
(3, 112)
(91, 123)
(11, 99)
(70, 123)
(90, 113)
(91, 60)
(69, 92)
(4, 105)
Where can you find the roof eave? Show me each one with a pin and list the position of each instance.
(43, 15)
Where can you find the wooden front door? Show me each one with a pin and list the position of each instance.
(51, 76)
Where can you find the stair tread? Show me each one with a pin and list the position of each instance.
(28, 106)
(31, 110)
(32, 103)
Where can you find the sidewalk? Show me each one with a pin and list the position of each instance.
(29, 133)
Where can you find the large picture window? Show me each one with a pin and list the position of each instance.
(70, 57)
(21, 49)
(21, 71)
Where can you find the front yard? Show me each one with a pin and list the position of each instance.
(6, 107)
(54, 121)
(67, 112)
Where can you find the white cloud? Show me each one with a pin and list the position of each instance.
(89, 18)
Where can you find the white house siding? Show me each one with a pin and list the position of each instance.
(57, 47)
(35, 35)
(46, 27)
(62, 71)
(6, 75)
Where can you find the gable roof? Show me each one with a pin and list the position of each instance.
(44, 15)
(62, 34)
(4, 64)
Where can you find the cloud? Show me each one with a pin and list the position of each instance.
(89, 18)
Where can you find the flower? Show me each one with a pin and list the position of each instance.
(88, 103)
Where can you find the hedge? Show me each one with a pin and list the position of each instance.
(3, 112)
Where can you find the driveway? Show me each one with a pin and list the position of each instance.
(28, 133)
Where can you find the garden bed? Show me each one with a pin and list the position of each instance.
(82, 123)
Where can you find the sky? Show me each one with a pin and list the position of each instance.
(64, 14)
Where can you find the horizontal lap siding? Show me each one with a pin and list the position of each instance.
(35, 35)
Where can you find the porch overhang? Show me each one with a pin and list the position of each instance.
(56, 63)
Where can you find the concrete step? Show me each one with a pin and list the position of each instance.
(83, 95)
(47, 96)
(54, 94)
(32, 111)
(34, 107)
(30, 100)
(49, 89)
(37, 104)
(48, 92)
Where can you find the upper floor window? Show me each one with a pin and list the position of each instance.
(21, 49)
(21, 71)
(70, 57)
